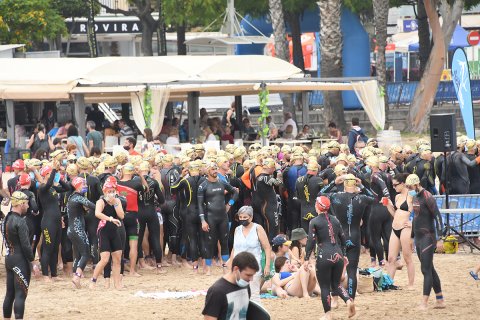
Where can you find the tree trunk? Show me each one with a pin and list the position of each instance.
(147, 36)
(181, 46)
(293, 19)
(281, 47)
(425, 46)
(380, 10)
(69, 41)
(279, 30)
(427, 88)
(331, 59)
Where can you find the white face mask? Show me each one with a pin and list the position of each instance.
(240, 282)
(110, 195)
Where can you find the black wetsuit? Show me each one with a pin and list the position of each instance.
(457, 172)
(290, 176)
(67, 247)
(31, 215)
(94, 192)
(190, 219)
(76, 208)
(51, 224)
(427, 228)
(132, 190)
(306, 191)
(325, 231)
(265, 204)
(17, 263)
(110, 237)
(350, 209)
(211, 207)
(380, 220)
(147, 216)
(474, 176)
(171, 218)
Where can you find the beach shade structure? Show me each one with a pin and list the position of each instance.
(459, 40)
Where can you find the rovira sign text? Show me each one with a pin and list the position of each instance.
(108, 27)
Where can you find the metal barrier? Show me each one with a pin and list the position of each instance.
(464, 213)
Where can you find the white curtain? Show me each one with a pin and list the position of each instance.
(159, 100)
(368, 93)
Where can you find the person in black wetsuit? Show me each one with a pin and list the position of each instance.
(18, 257)
(306, 190)
(326, 232)
(189, 183)
(147, 217)
(427, 229)
(457, 171)
(77, 205)
(213, 214)
(264, 199)
(170, 216)
(51, 220)
(18, 168)
(290, 176)
(380, 220)
(132, 188)
(109, 210)
(24, 182)
(93, 193)
(350, 208)
(473, 172)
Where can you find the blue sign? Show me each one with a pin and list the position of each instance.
(461, 81)
(410, 25)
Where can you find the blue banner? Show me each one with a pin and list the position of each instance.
(461, 82)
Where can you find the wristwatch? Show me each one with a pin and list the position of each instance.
(111, 219)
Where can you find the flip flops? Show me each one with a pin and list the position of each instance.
(474, 275)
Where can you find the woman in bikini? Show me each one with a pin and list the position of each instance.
(401, 229)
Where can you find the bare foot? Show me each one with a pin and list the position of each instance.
(422, 307)
(160, 270)
(57, 279)
(146, 267)
(76, 281)
(185, 264)
(92, 285)
(440, 304)
(166, 264)
(410, 288)
(47, 279)
(334, 303)
(134, 274)
(307, 296)
(106, 285)
(351, 308)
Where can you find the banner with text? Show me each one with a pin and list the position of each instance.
(461, 81)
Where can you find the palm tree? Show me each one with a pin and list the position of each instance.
(279, 30)
(331, 58)
(380, 11)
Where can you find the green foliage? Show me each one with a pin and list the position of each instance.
(193, 12)
(263, 99)
(147, 107)
(29, 21)
(73, 8)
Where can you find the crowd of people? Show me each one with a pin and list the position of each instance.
(304, 214)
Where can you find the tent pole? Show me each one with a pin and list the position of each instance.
(10, 122)
(79, 113)
(408, 66)
(239, 116)
(305, 108)
(193, 116)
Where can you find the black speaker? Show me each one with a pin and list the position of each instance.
(443, 132)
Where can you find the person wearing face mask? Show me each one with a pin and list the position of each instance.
(325, 231)
(19, 256)
(109, 210)
(228, 297)
(76, 207)
(213, 214)
(18, 168)
(129, 145)
(251, 237)
(427, 230)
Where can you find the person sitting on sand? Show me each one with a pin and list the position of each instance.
(292, 281)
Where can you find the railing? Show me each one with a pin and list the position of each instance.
(401, 93)
(464, 213)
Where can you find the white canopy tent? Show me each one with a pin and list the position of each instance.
(172, 78)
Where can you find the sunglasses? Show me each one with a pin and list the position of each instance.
(396, 184)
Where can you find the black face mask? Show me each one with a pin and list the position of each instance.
(244, 223)
(126, 147)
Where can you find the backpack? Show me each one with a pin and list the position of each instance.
(359, 136)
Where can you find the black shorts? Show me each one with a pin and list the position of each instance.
(109, 239)
(132, 227)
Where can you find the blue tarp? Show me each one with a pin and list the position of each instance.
(459, 40)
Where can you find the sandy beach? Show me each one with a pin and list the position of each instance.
(60, 301)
